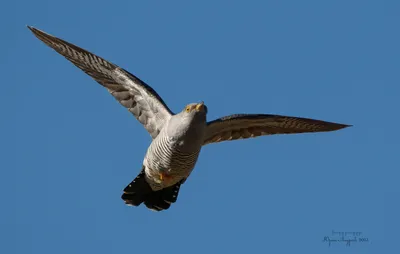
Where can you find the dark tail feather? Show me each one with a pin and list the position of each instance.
(136, 191)
(139, 191)
(162, 199)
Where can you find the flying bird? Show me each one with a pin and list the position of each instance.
(176, 138)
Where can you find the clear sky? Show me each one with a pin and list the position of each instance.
(68, 148)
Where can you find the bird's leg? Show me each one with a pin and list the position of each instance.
(165, 177)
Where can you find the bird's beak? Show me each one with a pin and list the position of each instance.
(200, 106)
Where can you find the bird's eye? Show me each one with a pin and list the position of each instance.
(187, 109)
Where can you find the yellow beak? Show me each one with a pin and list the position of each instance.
(200, 106)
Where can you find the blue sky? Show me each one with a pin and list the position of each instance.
(68, 148)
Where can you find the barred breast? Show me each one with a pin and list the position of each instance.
(166, 155)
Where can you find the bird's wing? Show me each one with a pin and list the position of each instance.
(138, 97)
(241, 126)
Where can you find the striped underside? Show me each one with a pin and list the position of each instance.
(164, 156)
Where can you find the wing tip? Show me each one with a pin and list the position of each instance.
(339, 126)
(39, 33)
(31, 28)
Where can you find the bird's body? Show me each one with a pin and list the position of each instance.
(174, 152)
(177, 138)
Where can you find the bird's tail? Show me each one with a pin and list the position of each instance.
(139, 191)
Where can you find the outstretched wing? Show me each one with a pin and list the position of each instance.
(138, 97)
(242, 126)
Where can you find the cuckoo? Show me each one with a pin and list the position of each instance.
(177, 138)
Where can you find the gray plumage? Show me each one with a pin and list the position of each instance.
(177, 138)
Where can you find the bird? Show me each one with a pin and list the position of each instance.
(177, 138)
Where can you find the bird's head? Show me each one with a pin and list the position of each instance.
(195, 109)
(194, 113)
(191, 120)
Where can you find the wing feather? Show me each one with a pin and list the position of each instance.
(242, 126)
(131, 92)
